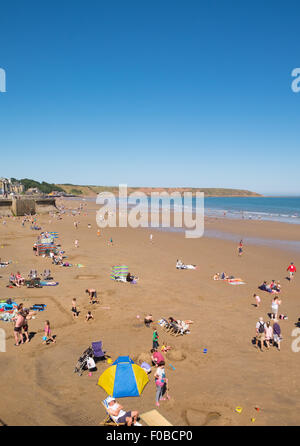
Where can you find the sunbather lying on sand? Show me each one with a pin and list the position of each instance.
(180, 265)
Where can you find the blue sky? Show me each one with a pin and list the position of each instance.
(151, 93)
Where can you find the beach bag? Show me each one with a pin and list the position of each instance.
(90, 363)
(261, 328)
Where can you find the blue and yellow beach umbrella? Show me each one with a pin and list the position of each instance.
(124, 378)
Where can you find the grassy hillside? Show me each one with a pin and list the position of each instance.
(209, 192)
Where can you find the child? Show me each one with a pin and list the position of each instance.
(47, 337)
(165, 348)
(74, 308)
(88, 316)
(155, 339)
(257, 299)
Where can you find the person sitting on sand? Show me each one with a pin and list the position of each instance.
(20, 280)
(165, 348)
(156, 357)
(129, 278)
(88, 316)
(148, 320)
(13, 280)
(216, 276)
(119, 415)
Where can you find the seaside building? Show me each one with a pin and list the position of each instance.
(8, 187)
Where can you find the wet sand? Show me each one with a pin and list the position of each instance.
(38, 386)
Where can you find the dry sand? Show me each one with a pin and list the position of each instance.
(38, 386)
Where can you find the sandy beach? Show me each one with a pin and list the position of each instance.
(38, 386)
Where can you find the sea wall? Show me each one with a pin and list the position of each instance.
(20, 206)
(5, 207)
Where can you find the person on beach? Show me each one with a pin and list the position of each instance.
(160, 382)
(74, 308)
(156, 357)
(240, 248)
(25, 325)
(292, 270)
(155, 339)
(120, 416)
(92, 295)
(151, 238)
(277, 335)
(98, 233)
(19, 322)
(268, 334)
(47, 333)
(76, 243)
(148, 320)
(260, 333)
(110, 242)
(88, 316)
(274, 307)
(257, 300)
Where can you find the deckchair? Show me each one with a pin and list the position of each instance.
(109, 420)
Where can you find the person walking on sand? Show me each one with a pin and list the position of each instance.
(240, 248)
(155, 339)
(19, 322)
(260, 333)
(268, 334)
(76, 243)
(257, 300)
(292, 270)
(274, 307)
(74, 308)
(277, 335)
(48, 336)
(151, 238)
(160, 382)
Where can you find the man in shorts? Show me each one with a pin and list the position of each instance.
(19, 322)
(291, 269)
(260, 333)
(119, 415)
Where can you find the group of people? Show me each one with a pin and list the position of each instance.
(267, 333)
(270, 332)
(272, 287)
(21, 329)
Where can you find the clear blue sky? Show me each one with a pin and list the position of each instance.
(151, 93)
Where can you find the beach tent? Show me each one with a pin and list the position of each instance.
(119, 271)
(124, 378)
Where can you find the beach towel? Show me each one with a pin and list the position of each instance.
(154, 418)
(48, 283)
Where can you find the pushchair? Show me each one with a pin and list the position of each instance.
(89, 357)
(33, 283)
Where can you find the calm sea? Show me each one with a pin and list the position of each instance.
(283, 209)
